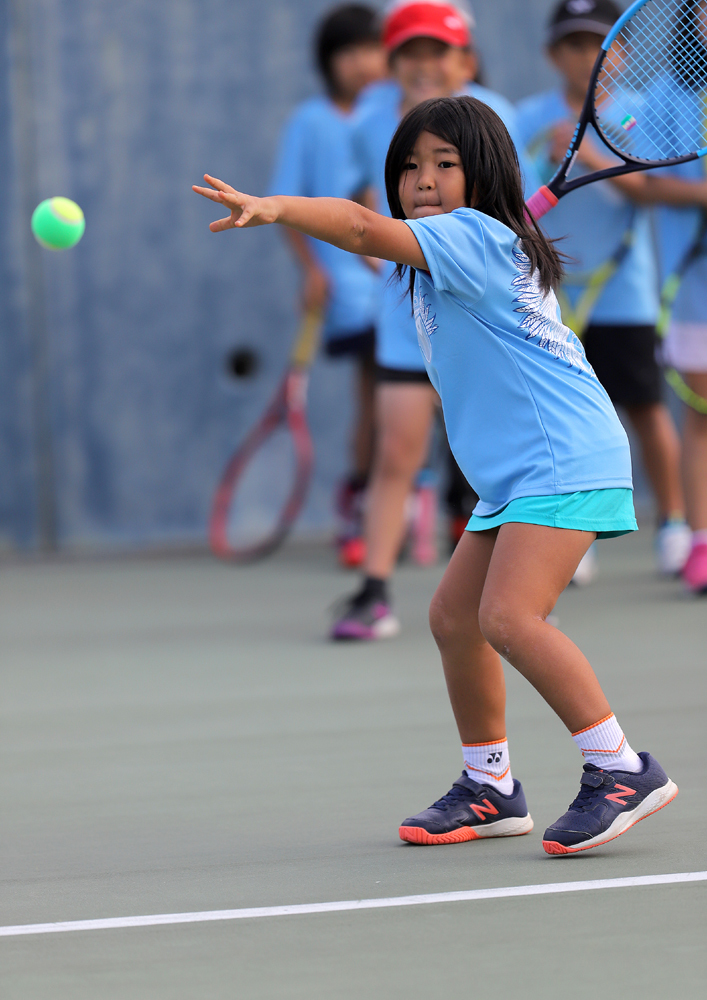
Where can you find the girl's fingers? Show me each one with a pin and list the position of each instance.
(233, 198)
(211, 195)
(221, 225)
(245, 216)
(218, 184)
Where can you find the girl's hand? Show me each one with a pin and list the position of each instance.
(246, 210)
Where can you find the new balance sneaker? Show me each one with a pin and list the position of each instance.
(365, 617)
(695, 569)
(672, 547)
(469, 811)
(609, 803)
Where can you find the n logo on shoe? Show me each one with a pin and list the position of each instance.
(621, 794)
(486, 808)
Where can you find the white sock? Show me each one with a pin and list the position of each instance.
(489, 764)
(605, 745)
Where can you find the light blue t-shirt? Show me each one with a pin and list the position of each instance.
(592, 223)
(377, 118)
(525, 413)
(315, 160)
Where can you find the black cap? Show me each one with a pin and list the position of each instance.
(571, 16)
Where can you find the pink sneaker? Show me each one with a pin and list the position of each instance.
(695, 570)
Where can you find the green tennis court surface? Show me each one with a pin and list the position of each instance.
(177, 737)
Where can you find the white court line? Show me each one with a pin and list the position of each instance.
(297, 909)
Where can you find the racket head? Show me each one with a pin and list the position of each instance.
(650, 83)
(265, 483)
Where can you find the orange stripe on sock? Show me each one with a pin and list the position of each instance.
(488, 743)
(496, 777)
(590, 750)
(593, 725)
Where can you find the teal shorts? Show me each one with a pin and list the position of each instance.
(608, 512)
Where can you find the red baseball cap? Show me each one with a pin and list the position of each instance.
(443, 21)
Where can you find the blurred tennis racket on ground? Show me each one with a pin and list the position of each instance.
(265, 483)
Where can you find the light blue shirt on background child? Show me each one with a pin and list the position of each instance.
(592, 224)
(525, 414)
(315, 159)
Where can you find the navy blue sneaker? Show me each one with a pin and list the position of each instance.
(469, 811)
(609, 803)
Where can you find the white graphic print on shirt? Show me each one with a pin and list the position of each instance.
(539, 312)
(425, 324)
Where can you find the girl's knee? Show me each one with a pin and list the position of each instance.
(497, 625)
(503, 623)
(447, 626)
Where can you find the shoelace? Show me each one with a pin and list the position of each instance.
(591, 783)
(454, 795)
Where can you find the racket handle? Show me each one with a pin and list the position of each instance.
(540, 203)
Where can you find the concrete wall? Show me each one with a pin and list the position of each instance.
(122, 106)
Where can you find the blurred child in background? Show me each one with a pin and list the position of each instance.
(682, 245)
(430, 54)
(609, 295)
(315, 159)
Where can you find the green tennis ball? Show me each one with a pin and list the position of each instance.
(58, 223)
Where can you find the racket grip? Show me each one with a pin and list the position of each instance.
(540, 203)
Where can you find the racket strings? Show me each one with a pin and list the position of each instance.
(649, 97)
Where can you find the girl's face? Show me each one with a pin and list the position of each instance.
(432, 181)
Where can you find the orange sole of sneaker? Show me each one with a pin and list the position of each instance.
(552, 847)
(416, 835)
(514, 826)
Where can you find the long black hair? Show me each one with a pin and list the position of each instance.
(490, 164)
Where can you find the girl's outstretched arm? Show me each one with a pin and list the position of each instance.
(343, 223)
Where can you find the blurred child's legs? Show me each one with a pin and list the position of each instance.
(694, 456)
(363, 435)
(404, 412)
(494, 598)
(624, 359)
(660, 451)
(694, 470)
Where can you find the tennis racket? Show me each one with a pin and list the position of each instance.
(265, 483)
(645, 97)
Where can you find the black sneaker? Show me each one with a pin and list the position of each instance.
(364, 617)
(469, 811)
(609, 803)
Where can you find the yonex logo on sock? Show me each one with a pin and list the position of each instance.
(495, 757)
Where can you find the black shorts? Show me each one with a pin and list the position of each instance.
(414, 376)
(624, 358)
(361, 342)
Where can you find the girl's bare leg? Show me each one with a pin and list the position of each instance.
(694, 457)
(529, 568)
(403, 419)
(472, 669)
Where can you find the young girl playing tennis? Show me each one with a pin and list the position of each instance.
(538, 439)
